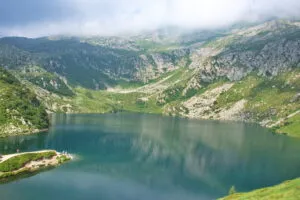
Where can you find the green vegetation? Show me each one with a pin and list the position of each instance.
(291, 126)
(240, 90)
(62, 159)
(90, 101)
(151, 46)
(82, 62)
(45, 80)
(91, 65)
(16, 166)
(232, 190)
(268, 98)
(20, 161)
(19, 107)
(128, 84)
(288, 190)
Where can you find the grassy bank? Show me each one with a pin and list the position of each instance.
(288, 190)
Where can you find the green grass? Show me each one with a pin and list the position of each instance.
(100, 101)
(91, 101)
(45, 80)
(18, 104)
(20, 161)
(240, 90)
(266, 97)
(289, 190)
(291, 126)
(259, 93)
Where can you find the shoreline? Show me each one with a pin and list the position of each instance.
(32, 132)
(286, 190)
(259, 123)
(270, 128)
(14, 165)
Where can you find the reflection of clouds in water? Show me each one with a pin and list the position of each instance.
(190, 161)
(165, 152)
(211, 151)
(105, 186)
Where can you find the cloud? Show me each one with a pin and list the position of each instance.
(110, 17)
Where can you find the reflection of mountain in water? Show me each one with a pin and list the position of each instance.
(206, 157)
(214, 152)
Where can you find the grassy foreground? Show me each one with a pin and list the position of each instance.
(289, 190)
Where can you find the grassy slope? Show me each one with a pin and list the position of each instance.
(259, 92)
(45, 80)
(291, 126)
(100, 101)
(19, 107)
(268, 98)
(90, 101)
(288, 190)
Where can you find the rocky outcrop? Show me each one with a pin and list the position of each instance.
(266, 50)
(200, 106)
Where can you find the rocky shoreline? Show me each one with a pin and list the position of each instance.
(14, 165)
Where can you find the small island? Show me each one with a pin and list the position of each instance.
(13, 165)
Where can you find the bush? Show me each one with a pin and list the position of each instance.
(232, 190)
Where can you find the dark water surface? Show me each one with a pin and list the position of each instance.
(150, 157)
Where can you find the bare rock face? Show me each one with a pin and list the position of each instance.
(265, 50)
(296, 98)
(201, 106)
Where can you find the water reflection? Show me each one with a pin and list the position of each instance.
(155, 153)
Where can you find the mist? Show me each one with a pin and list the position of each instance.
(35, 18)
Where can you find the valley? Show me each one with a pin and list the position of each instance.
(248, 74)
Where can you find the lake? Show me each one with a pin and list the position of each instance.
(132, 156)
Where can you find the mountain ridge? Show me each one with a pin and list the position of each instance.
(233, 76)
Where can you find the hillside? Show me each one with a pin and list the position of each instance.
(250, 73)
(287, 190)
(21, 112)
(85, 64)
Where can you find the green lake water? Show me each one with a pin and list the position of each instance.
(150, 157)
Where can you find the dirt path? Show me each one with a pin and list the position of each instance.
(6, 157)
(149, 88)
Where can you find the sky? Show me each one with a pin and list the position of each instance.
(35, 18)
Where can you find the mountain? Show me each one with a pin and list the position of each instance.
(246, 73)
(86, 64)
(21, 112)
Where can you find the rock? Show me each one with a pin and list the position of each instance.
(295, 98)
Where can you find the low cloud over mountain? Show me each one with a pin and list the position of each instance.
(34, 18)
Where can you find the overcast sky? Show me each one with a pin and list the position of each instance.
(33, 18)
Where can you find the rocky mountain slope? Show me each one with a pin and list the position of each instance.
(21, 112)
(250, 74)
(252, 66)
(86, 64)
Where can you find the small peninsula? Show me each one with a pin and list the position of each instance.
(13, 165)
